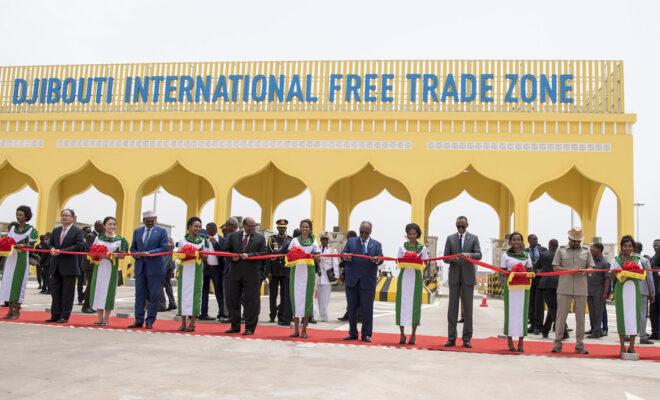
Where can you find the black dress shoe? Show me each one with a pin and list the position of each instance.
(343, 319)
(134, 325)
(171, 307)
(206, 318)
(312, 321)
(366, 339)
(282, 323)
(233, 331)
(248, 333)
(88, 310)
(460, 321)
(224, 320)
(162, 309)
(450, 343)
(62, 320)
(350, 337)
(467, 344)
(52, 320)
(149, 326)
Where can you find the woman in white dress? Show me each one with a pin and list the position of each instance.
(191, 274)
(410, 283)
(516, 291)
(627, 297)
(17, 265)
(103, 286)
(302, 279)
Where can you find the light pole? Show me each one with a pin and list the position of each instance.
(156, 199)
(637, 206)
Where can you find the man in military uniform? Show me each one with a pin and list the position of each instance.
(572, 287)
(278, 276)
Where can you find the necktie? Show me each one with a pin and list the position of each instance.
(245, 242)
(147, 236)
(460, 242)
(364, 247)
(62, 235)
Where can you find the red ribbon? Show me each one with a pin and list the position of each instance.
(383, 258)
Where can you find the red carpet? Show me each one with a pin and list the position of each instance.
(490, 345)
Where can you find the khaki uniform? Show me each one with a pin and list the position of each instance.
(572, 288)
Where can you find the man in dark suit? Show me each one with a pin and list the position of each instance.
(167, 294)
(535, 312)
(244, 279)
(64, 269)
(228, 228)
(462, 278)
(655, 306)
(548, 285)
(361, 275)
(149, 271)
(44, 263)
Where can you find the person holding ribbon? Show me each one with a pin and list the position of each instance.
(628, 273)
(17, 267)
(410, 282)
(516, 290)
(302, 277)
(105, 268)
(191, 273)
(149, 244)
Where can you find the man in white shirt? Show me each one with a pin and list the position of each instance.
(329, 267)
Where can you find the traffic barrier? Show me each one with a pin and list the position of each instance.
(386, 291)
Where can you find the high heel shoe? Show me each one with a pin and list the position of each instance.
(190, 328)
(182, 328)
(412, 340)
(402, 340)
(294, 334)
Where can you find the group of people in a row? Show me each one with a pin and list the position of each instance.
(237, 279)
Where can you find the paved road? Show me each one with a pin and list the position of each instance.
(62, 363)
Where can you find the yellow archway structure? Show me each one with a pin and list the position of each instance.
(13, 180)
(340, 142)
(481, 188)
(365, 184)
(269, 187)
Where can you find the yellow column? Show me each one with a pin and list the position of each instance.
(318, 207)
(504, 212)
(344, 217)
(267, 202)
(418, 211)
(129, 220)
(130, 213)
(223, 194)
(521, 213)
(49, 205)
(625, 212)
